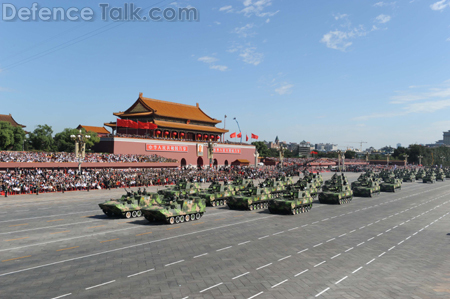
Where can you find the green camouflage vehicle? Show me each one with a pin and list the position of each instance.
(338, 192)
(176, 211)
(181, 188)
(217, 194)
(391, 184)
(367, 188)
(272, 186)
(315, 179)
(241, 184)
(292, 203)
(254, 199)
(362, 177)
(304, 184)
(285, 180)
(447, 173)
(429, 177)
(130, 205)
(440, 176)
(409, 176)
(420, 174)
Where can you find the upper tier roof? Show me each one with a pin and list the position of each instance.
(10, 119)
(98, 130)
(144, 105)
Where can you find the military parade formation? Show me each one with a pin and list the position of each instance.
(186, 201)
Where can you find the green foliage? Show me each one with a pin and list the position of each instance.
(350, 154)
(41, 139)
(11, 138)
(64, 143)
(262, 149)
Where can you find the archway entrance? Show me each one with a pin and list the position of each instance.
(215, 163)
(200, 162)
(226, 162)
(183, 162)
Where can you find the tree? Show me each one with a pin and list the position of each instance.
(11, 138)
(64, 143)
(41, 138)
(261, 147)
(350, 154)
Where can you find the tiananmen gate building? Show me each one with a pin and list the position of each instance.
(182, 132)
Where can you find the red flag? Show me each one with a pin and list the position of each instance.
(132, 124)
(123, 123)
(142, 125)
(254, 136)
(246, 137)
(233, 135)
(151, 126)
(239, 135)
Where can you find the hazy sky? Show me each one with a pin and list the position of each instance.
(320, 71)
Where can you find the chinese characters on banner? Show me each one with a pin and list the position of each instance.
(224, 150)
(166, 148)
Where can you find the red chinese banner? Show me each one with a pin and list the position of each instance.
(166, 148)
(225, 150)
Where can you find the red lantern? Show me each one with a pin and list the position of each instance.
(158, 132)
(167, 133)
(212, 136)
(199, 135)
(174, 133)
(205, 136)
(182, 134)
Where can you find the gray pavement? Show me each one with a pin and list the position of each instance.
(395, 245)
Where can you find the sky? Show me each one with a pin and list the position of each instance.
(322, 71)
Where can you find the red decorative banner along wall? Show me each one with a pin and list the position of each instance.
(226, 150)
(166, 148)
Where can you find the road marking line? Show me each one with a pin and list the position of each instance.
(240, 275)
(377, 221)
(16, 258)
(99, 285)
(180, 261)
(331, 240)
(55, 220)
(263, 237)
(317, 244)
(200, 255)
(415, 234)
(211, 287)
(279, 283)
(349, 249)
(304, 225)
(185, 297)
(360, 244)
(370, 261)
(68, 248)
(264, 266)
(315, 222)
(340, 280)
(255, 295)
(362, 227)
(369, 224)
(400, 242)
(322, 292)
(391, 248)
(388, 230)
(64, 231)
(303, 250)
(224, 248)
(301, 272)
(140, 273)
(395, 227)
(408, 238)
(325, 219)
(342, 235)
(278, 233)
(286, 257)
(172, 228)
(18, 224)
(16, 239)
(370, 239)
(244, 242)
(320, 264)
(96, 226)
(336, 255)
(384, 218)
(143, 234)
(65, 295)
(357, 270)
(110, 240)
(352, 231)
(379, 234)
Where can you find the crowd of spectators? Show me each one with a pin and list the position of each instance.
(31, 157)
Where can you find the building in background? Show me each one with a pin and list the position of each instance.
(8, 118)
(101, 131)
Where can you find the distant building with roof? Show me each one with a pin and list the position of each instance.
(101, 131)
(8, 118)
(182, 133)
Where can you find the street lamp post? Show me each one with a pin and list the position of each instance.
(388, 155)
(420, 159)
(256, 157)
(442, 160)
(367, 157)
(281, 152)
(80, 147)
(339, 160)
(406, 159)
(238, 128)
(210, 146)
